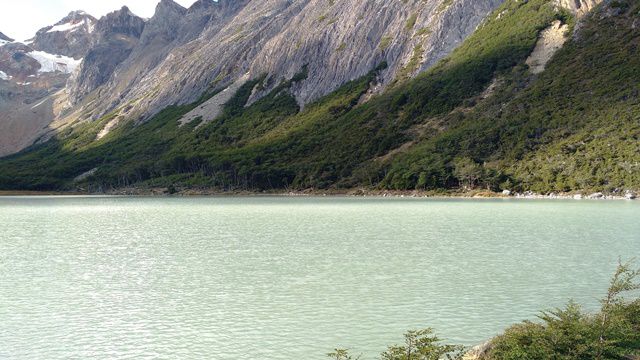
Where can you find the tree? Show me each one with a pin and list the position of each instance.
(341, 354)
(624, 280)
(422, 345)
(467, 171)
(571, 334)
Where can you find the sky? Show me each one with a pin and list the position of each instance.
(20, 19)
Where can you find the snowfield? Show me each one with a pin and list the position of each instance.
(53, 63)
(65, 27)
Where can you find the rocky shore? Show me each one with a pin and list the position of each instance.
(474, 194)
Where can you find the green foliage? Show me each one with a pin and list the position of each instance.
(418, 345)
(570, 128)
(571, 334)
(341, 354)
(422, 345)
(411, 22)
(385, 42)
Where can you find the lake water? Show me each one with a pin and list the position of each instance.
(290, 278)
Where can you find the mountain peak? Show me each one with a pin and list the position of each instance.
(73, 21)
(123, 10)
(201, 4)
(123, 13)
(171, 6)
(78, 13)
(71, 36)
(4, 37)
(121, 21)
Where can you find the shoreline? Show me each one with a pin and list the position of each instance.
(479, 194)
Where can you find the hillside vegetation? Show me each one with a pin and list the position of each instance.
(573, 127)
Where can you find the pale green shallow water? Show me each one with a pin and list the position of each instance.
(289, 278)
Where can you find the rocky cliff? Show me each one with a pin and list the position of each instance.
(115, 37)
(336, 41)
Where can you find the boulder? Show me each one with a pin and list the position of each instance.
(478, 352)
(597, 195)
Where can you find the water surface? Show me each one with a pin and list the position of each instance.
(290, 278)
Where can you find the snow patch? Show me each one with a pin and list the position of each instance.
(4, 76)
(53, 63)
(38, 104)
(65, 27)
(4, 42)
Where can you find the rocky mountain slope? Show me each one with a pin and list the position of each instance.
(31, 80)
(336, 41)
(136, 67)
(540, 97)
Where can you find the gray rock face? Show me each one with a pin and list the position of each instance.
(338, 41)
(71, 36)
(4, 37)
(27, 102)
(140, 67)
(579, 7)
(15, 62)
(171, 27)
(116, 35)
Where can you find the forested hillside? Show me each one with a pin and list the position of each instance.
(480, 118)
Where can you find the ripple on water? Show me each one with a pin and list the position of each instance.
(282, 278)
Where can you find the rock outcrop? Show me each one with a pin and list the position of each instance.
(551, 40)
(478, 352)
(579, 7)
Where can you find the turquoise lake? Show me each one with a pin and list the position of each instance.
(290, 278)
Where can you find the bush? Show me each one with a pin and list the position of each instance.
(571, 334)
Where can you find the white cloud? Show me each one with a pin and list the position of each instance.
(20, 19)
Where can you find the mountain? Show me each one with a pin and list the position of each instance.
(31, 80)
(179, 54)
(337, 42)
(115, 37)
(4, 39)
(71, 36)
(537, 95)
